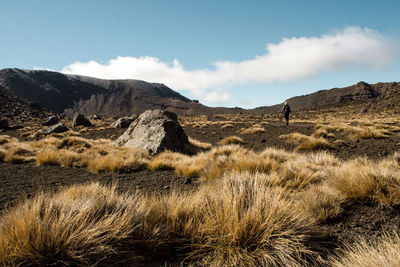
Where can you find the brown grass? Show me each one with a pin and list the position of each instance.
(166, 160)
(18, 153)
(321, 203)
(382, 252)
(305, 142)
(256, 128)
(362, 130)
(126, 160)
(60, 157)
(98, 155)
(199, 145)
(4, 139)
(362, 179)
(239, 220)
(230, 140)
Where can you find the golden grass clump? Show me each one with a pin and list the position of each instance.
(246, 222)
(305, 142)
(362, 130)
(366, 133)
(122, 160)
(382, 252)
(4, 139)
(256, 128)
(60, 157)
(361, 179)
(18, 153)
(198, 144)
(320, 202)
(74, 143)
(166, 160)
(83, 225)
(230, 140)
(228, 125)
(238, 220)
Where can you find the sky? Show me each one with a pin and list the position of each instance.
(223, 53)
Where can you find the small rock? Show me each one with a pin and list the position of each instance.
(123, 122)
(4, 124)
(80, 120)
(58, 128)
(263, 141)
(50, 121)
(95, 117)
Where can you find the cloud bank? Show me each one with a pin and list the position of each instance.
(290, 60)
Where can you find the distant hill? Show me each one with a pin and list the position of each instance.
(369, 97)
(62, 93)
(66, 94)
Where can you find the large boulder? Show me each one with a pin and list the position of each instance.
(80, 120)
(155, 131)
(58, 128)
(50, 121)
(124, 122)
(4, 124)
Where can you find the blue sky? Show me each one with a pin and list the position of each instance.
(215, 51)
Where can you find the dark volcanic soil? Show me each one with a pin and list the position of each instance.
(18, 181)
(372, 148)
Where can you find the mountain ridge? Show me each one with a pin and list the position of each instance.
(70, 93)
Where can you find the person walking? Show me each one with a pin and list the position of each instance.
(286, 111)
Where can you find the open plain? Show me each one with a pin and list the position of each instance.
(249, 191)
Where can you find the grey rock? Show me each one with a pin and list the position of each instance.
(155, 131)
(4, 124)
(124, 122)
(58, 128)
(50, 121)
(95, 117)
(80, 120)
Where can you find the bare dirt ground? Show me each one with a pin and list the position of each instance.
(19, 181)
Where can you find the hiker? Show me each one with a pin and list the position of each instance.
(286, 111)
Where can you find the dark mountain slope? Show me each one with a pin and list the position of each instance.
(70, 93)
(52, 90)
(73, 93)
(17, 109)
(362, 94)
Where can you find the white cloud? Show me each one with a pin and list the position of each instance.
(290, 60)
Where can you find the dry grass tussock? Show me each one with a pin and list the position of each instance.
(198, 145)
(382, 252)
(219, 160)
(166, 160)
(97, 155)
(305, 142)
(240, 220)
(230, 140)
(361, 130)
(228, 125)
(362, 179)
(256, 128)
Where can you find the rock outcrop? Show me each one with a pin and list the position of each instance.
(155, 131)
(58, 128)
(80, 120)
(50, 121)
(124, 122)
